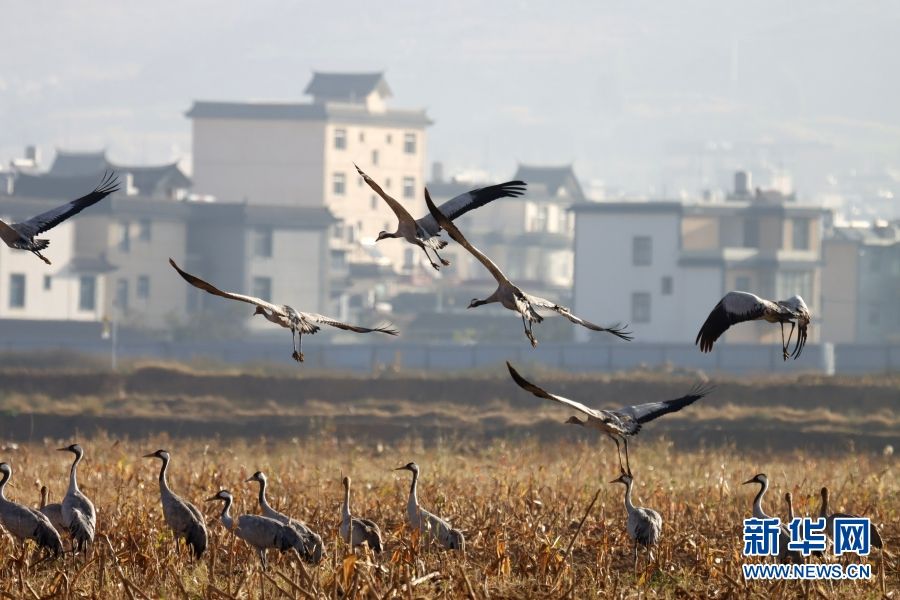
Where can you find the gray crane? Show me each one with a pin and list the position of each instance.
(618, 424)
(874, 534)
(260, 532)
(789, 501)
(25, 523)
(644, 525)
(182, 517)
(357, 531)
(424, 232)
(52, 511)
(78, 513)
(738, 307)
(434, 527)
(21, 235)
(784, 535)
(283, 315)
(311, 549)
(509, 295)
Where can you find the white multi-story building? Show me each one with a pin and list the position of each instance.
(661, 266)
(302, 154)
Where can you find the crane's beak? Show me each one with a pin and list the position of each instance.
(749, 481)
(250, 479)
(152, 455)
(62, 449)
(213, 499)
(618, 479)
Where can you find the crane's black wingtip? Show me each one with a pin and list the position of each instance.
(515, 375)
(621, 332)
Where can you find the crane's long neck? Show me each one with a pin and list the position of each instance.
(790, 508)
(345, 509)
(73, 473)
(163, 483)
(629, 506)
(3, 481)
(413, 498)
(823, 510)
(757, 502)
(225, 517)
(262, 496)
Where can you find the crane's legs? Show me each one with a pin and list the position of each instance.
(618, 451)
(784, 352)
(444, 262)
(635, 556)
(627, 463)
(42, 257)
(428, 256)
(295, 346)
(528, 333)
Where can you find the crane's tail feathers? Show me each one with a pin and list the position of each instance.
(387, 328)
(48, 538)
(40, 244)
(81, 530)
(456, 540)
(197, 539)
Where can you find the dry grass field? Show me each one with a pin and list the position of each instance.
(519, 503)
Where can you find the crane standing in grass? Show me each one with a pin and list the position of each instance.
(784, 535)
(436, 528)
(25, 523)
(78, 513)
(874, 534)
(260, 532)
(182, 517)
(356, 531)
(644, 525)
(52, 510)
(311, 548)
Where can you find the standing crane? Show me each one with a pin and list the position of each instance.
(52, 511)
(618, 424)
(874, 534)
(311, 549)
(357, 531)
(784, 535)
(427, 523)
(425, 232)
(182, 517)
(25, 523)
(78, 513)
(738, 307)
(260, 532)
(21, 235)
(508, 294)
(644, 525)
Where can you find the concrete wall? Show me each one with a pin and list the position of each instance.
(273, 162)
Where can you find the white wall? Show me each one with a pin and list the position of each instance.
(605, 277)
(278, 162)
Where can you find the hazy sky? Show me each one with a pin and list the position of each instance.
(619, 88)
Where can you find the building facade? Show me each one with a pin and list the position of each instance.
(303, 155)
(662, 266)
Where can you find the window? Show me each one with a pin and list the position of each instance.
(122, 295)
(374, 157)
(742, 283)
(373, 202)
(794, 283)
(641, 251)
(409, 258)
(17, 290)
(143, 287)
(340, 139)
(388, 139)
(667, 285)
(262, 288)
(409, 187)
(751, 233)
(387, 183)
(362, 136)
(337, 231)
(640, 307)
(48, 282)
(124, 237)
(87, 286)
(262, 242)
(339, 184)
(144, 230)
(409, 143)
(800, 234)
(539, 221)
